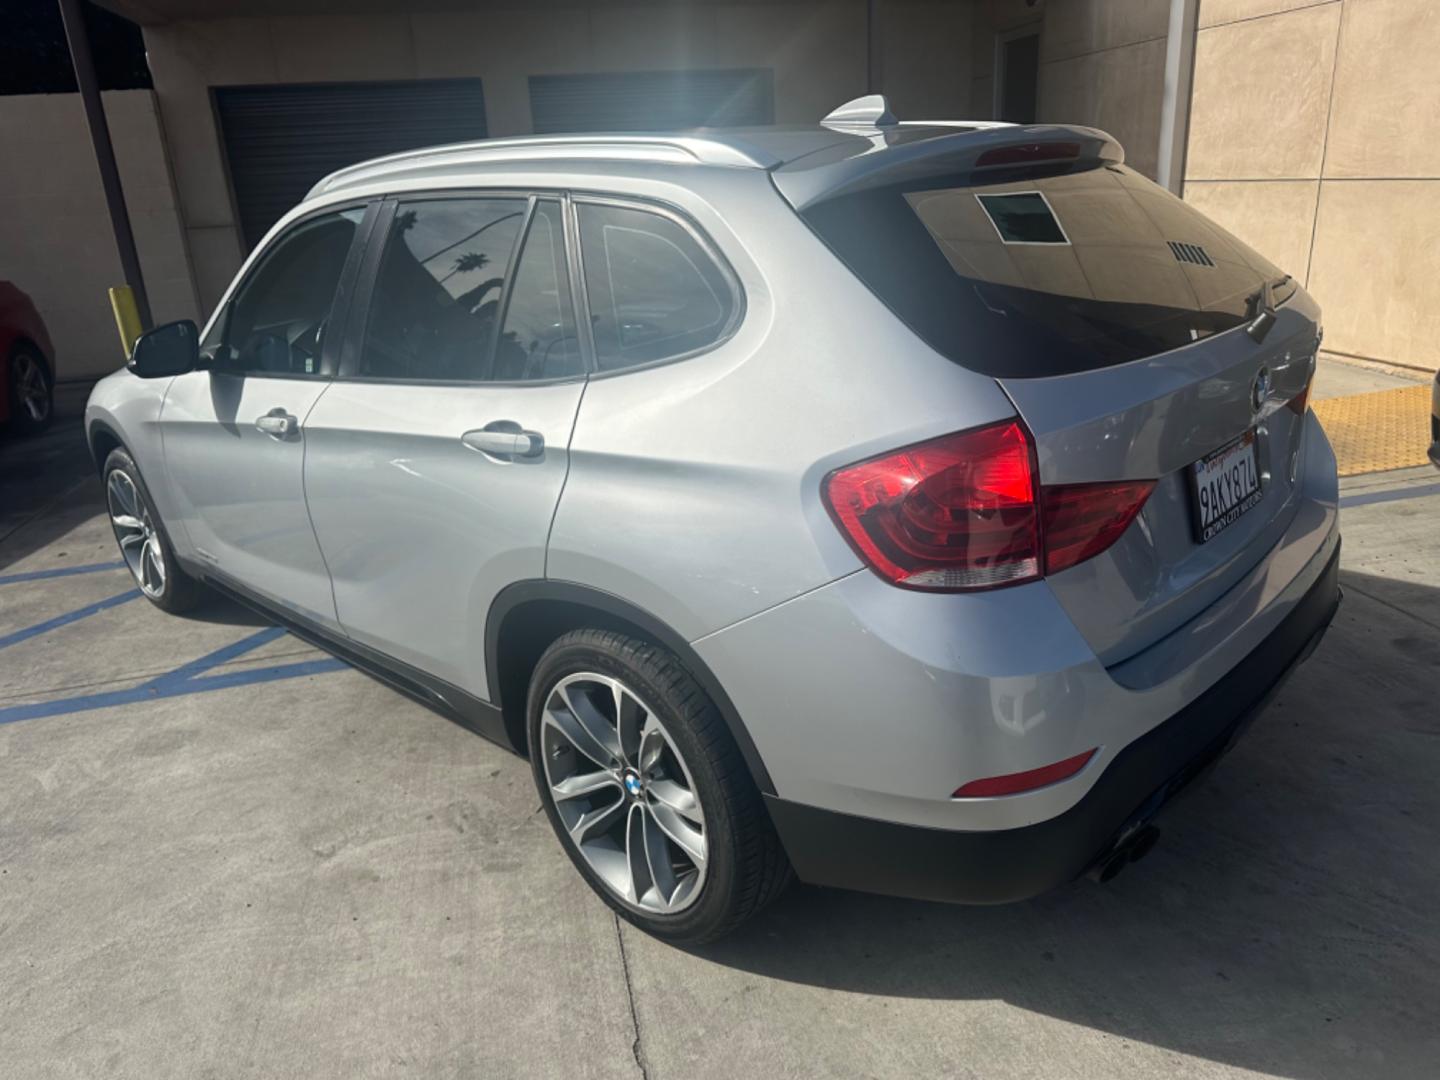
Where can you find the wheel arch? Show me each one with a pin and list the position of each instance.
(528, 615)
(103, 438)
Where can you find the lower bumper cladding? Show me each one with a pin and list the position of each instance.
(992, 867)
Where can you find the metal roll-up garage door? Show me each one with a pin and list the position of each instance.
(651, 100)
(279, 140)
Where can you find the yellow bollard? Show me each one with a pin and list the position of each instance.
(127, 317)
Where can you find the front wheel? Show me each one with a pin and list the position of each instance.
(143, 543)
(646, 789)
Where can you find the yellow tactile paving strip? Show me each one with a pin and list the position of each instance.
(1389, 429)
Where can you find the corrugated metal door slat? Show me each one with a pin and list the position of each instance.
(279, 140)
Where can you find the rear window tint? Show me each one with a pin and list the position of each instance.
(654, 292)
(1050, 275)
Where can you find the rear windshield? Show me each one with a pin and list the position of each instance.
(1048, 275)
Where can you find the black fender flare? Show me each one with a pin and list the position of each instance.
(522, 593)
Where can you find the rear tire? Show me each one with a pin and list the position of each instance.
(673, 750)
(32, 390)
(144, 544)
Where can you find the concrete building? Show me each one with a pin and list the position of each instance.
(1312, 124)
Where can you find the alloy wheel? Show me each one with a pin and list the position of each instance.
(136, 532)
(30, 383)
(624, 793)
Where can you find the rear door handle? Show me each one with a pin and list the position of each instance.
(277, 423)
(505, 440)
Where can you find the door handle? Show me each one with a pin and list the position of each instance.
(277, 423)
(505, 440)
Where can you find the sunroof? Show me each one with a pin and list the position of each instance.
(1023, 217)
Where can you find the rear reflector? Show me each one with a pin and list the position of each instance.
(1014, 783)
(966, 511)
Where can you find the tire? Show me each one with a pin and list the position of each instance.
(744, 865)
(32, 389)
(170, 588)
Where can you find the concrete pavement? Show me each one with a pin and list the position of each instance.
(260, 868)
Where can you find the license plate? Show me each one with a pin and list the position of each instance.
(1225, 484)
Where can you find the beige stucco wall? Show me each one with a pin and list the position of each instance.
(1315, 136)
(817, 53)
(56, 242)
(1102, 63)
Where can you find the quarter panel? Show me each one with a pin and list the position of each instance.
(694, 487)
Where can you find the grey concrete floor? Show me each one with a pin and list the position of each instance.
(314, 877)
(1337, 377)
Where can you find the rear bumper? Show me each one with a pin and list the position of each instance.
(831, 848)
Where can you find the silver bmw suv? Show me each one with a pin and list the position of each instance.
(907, 507)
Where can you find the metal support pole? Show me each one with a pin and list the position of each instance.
(1179, 83)
(872, 60)
(104, 152)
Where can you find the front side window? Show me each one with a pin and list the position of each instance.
(436, 302)
(276, 322)
(654, 292)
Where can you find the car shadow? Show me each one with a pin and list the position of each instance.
(1286, 922)
(44, 492)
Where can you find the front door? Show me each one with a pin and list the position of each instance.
(434, 463)
(234, 434)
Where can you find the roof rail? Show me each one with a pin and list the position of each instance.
(672, 149)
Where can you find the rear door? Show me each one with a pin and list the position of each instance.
(1115, 317)
(234, 433)
(435, 461)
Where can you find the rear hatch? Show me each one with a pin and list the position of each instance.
(1122, 324)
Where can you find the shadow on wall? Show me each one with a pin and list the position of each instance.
(1285, 923)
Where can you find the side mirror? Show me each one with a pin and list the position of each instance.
(172, 349)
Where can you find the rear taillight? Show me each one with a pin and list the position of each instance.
(966, 511)
(1300, 401)
(1082, 520)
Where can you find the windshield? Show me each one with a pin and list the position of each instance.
(1047, 275)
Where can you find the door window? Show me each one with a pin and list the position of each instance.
(538, 339)
(654, 292)
(275, 323)
(437, 297)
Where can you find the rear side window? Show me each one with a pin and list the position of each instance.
(436, 302)
(1048, 275)
(537, 340)
(655, 293)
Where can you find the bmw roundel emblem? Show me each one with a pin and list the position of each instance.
(632, 783)
(1260, 389)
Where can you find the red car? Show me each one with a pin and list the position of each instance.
(27, 371)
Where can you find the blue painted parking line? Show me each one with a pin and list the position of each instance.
(64, 571)
(188, 671)
(1369, 498)
(149, 692)
(17, 636)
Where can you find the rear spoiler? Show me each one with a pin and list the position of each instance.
(909, 152)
